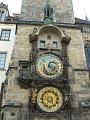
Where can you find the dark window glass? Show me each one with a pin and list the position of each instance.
(87, 53)
(2, 59)
(42, 44)
(12, 114)
(0, 14)
(2, 11)
(2, 117)
(55, 45)
(49, 37)
(47, 13)
(5, 34)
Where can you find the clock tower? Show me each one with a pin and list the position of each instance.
(49, 84)
(47, 78)
(40, 76)
(32, 10)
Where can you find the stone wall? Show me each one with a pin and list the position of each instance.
(79, 77)
(34, 10)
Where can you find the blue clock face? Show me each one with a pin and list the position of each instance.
(49, 66)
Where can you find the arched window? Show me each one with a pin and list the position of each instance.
(87, 53)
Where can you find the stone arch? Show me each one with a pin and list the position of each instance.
(63, 37)
(51, 28)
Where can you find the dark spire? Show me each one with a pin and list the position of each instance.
(86, 18)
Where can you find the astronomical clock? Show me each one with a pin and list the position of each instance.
(49, 94)
(49, 66)
(50, 90)
(48, 82)
(49, 99)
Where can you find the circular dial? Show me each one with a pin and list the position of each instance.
(49, 66)
(49, 99)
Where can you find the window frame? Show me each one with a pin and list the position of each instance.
(5, 35)
(87, 52)
(4, 60)
(86, 29)
(13, 114)
(56, 44)
(40, 44)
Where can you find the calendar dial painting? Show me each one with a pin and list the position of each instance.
(49, 99)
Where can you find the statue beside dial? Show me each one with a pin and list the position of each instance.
(49, 99)
(49, 66)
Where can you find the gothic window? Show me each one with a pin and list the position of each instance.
(5, 34)
(87, 53)
(2, 60)
(42, 44)
(48, 11)
(55, 44)
(48, 14)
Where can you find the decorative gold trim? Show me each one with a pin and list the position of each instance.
(49, 99)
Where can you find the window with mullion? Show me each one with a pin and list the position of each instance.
(5, 34)
(2, 60)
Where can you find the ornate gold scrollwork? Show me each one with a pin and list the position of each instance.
(49, 99)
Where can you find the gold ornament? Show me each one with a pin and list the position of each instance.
(49, 99)
(34, 94)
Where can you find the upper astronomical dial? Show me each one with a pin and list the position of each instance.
(49, 66)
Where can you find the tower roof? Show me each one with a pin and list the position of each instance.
(2, 5)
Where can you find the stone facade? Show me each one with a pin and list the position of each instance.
(23, 83)
(34, 10)
(78, 73)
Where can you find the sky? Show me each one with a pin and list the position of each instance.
(81, 7)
